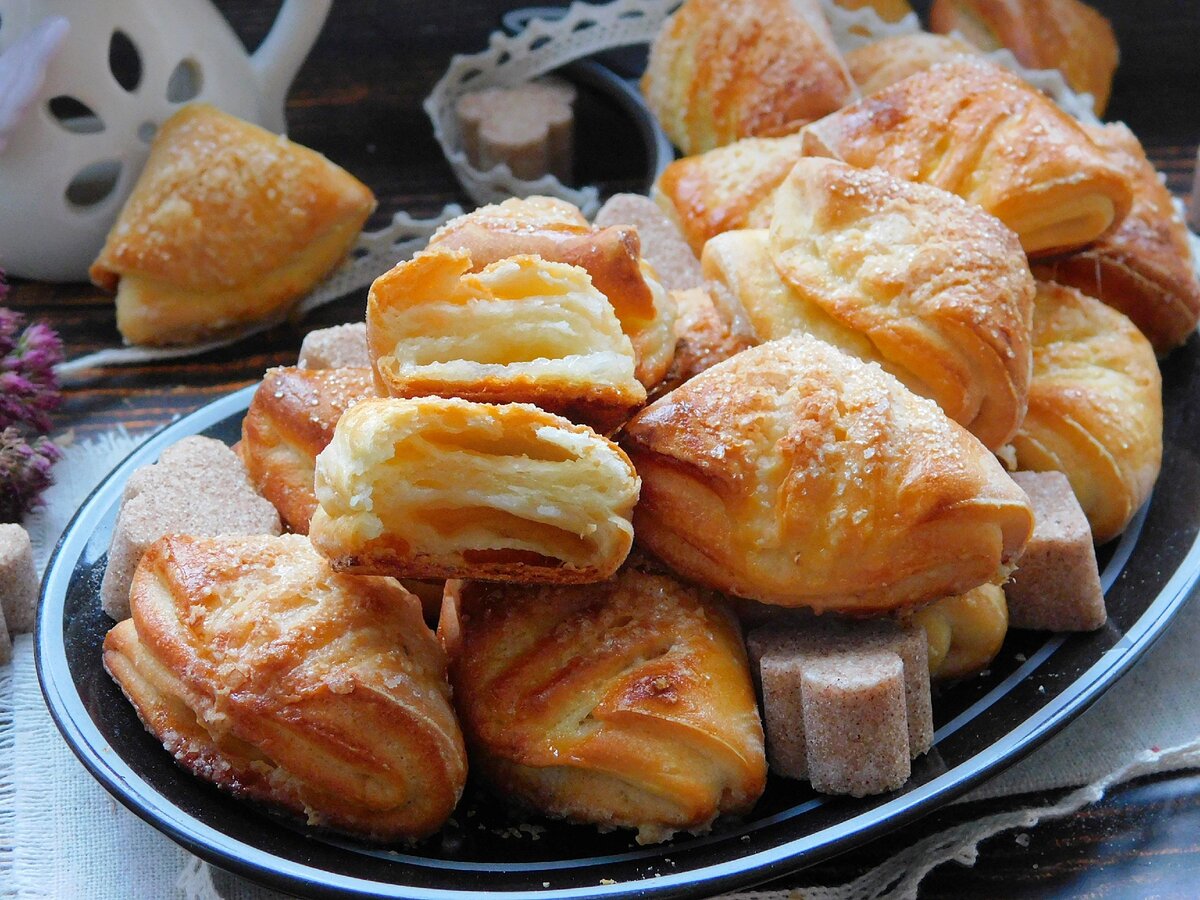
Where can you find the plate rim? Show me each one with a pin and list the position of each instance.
(214, 846)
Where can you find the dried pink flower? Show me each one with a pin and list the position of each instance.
(25, 471)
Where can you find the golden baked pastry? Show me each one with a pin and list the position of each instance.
(1095, 406)
(558, 232)
(268, 674)
(626, 703)
(797, 475)
(1042, 34)
(1143, 268)
(522, 330)
(290, 421)
(445, 488)
(227, 224)
(720, 70)
(705, 335)
(971, 128)
(888, 10)
(727, 188)
(965, 632)
(876, 65)
(904, 274)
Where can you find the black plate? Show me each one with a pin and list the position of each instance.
(1034, 688)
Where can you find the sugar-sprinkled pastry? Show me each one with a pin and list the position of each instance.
(626, 703)
(445, 488)
(521, 330)
(721, 70)
(796, 475)
(290, 420)
(279, 680)
(1095, 406)
(228, 224)
(876, 65)
(976, 130)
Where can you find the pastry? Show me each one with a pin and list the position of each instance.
(521, 330)
(624, 704)
(796, 475)
(1144, 268)
(904, 274)
(1095, 406)
(445, 488)
(888, 10)
(971, 128)
(290, 421)
(876, 65)
(727, 188)
(663, 244)
(1042, 34)
(966, 631)
(557, 232)
(228, 224)
(705, 336)
(279, 680)
(721, 70)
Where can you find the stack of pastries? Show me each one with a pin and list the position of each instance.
(892, 314)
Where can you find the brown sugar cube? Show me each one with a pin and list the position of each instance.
(339, 347)
(1057, 583)
(855, 722)
(781, 678)
(18, 579)
(663, 244)
(199, 487)
(528, 127)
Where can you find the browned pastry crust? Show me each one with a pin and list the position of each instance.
(973, 129)
(888, 10)
(290, 421)
(1144, 268)
(727, 188)
(1042, 34)
(964, 632)
(227, 224)
(521, 330)
(625, 704)
(796, 475)
(721, 70)
(266, 673)
(704, 335)
(941, 289)
(444, 488)
(558, 232)
(1095, 406)
(876, 65)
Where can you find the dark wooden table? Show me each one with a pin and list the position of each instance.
(358, 101)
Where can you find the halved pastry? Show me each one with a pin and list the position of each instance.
(720, 70)
(1042, 34)
(445, 488)
(290, 421)
(1144, 268)
(876, 65)
(558, 232)
(521, 330)
(797, 475)
(277, 679)
(1095, 406)
(626, 703)
(228, 224)
(727, 188)
(941, 289)
(973, 129)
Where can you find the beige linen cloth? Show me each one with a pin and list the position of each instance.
(63, 836)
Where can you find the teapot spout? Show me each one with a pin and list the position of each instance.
(282, 52)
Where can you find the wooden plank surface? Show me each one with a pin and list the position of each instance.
(358, 101)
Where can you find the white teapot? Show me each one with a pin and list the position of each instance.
(123, 67)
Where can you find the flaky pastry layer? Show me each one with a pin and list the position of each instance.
(446, 488)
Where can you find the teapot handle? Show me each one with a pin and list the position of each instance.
(282, 52)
